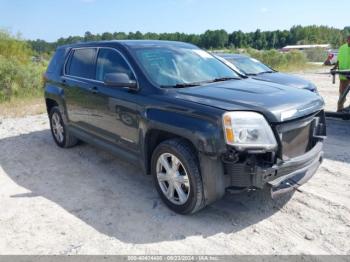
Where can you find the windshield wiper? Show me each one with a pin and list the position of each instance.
(266, 72)
(187, 85)
(182, 85)
(220, 79)
(260, 73)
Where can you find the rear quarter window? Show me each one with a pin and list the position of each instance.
(81, 63)
(56, 63)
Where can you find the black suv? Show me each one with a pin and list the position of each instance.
(185, 117)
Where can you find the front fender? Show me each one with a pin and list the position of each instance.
(205, 133)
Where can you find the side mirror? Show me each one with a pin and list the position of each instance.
(119, 80)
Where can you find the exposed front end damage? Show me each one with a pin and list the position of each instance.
(299, 154)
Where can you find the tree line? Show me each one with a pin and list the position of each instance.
(217, 39)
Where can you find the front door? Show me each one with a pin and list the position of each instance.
(117, 116)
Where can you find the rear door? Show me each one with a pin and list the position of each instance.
(79, 74)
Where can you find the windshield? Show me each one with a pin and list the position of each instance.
(181, 66)
(250, 66)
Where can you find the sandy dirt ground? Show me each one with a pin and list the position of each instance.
(85, 201)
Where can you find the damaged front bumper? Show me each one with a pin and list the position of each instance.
(297, 159)
(282, 177)
(296, 172)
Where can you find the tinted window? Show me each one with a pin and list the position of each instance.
(110, 61)
(56, 61)
(81, 63)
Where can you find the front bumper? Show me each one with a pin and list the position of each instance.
(299, 154)
(281, 177)
(296, 172)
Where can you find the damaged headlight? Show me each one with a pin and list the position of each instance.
(248, 130)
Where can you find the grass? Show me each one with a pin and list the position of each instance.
(20, 74)
(308, 67)
(22, 106)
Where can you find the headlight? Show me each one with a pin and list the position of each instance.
(248, 130)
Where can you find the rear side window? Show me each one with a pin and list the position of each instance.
(110, 61)
(82, 63)
(56, 62)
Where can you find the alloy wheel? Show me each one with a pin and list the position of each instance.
(173, 179)
(57, 127)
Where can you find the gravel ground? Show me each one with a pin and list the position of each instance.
(85, 201)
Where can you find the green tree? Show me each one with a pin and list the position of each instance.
(219, 38)
(214, 39)
(107, 36)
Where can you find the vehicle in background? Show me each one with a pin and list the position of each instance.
(255, 69)
(332, 57)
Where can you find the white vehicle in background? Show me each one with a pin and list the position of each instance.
(332, 57)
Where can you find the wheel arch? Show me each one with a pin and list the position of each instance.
(50, 103)
(202, 131)
(54, 96)
(154, 137)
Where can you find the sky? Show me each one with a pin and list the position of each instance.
(52, 19)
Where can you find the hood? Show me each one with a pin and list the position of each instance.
(276, 102)
(286, 79)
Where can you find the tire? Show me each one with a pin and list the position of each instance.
(67, 139)
(188, 172)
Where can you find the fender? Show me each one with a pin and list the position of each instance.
(55, 92)
(205, 134)
(200, 130)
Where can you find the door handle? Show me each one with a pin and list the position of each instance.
(94, 90)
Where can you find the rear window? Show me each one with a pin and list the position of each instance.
(56, 62)
(82, 63)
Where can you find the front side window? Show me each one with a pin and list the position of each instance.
(167, 66)
(110, 61)
(82, 63)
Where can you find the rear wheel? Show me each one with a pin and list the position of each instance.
(175, 170)
(59, 130)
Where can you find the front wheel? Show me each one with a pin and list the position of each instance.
(176, 174)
